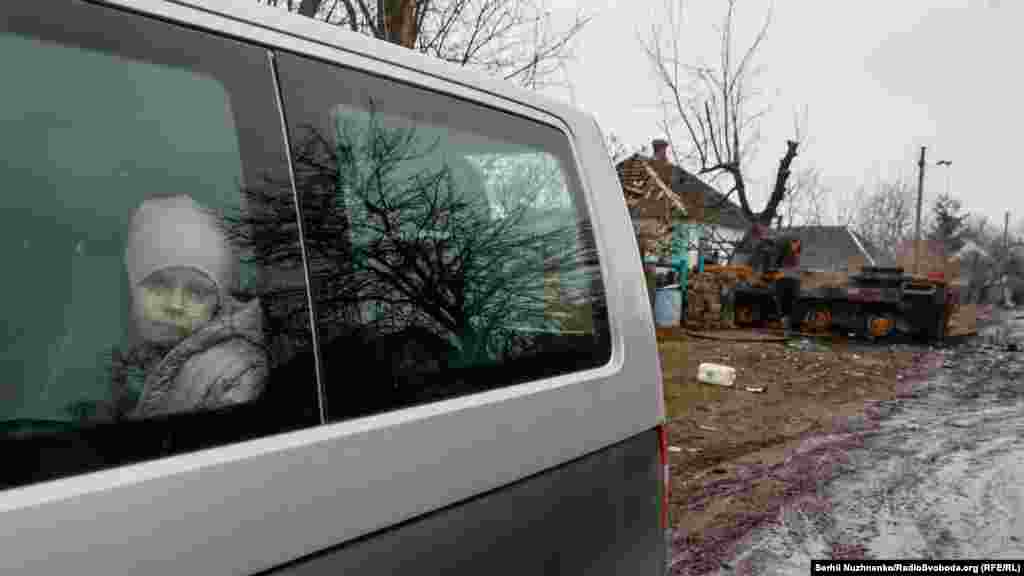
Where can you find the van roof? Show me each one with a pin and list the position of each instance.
(335, 36)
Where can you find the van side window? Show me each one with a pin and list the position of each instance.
(450, 246)
(144, 315)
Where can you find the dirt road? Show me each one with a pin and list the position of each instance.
(937, 472)
(737, 456)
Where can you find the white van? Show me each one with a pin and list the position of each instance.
(284, 299)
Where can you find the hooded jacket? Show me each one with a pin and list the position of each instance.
(222, 363)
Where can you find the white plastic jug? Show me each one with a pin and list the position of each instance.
(719, 374)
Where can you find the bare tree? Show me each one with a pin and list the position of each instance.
(617, 149)
(979, 264)
(948, 222)
(987, 256)
(886, 217)
(710, 107)
(805, 203)
(513, 39)
(718, 244)
(846, 205)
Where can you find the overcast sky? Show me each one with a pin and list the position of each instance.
(879, 78)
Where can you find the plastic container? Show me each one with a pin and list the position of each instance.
(718, 374)
(668, 306)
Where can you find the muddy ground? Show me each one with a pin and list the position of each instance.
(826, 459)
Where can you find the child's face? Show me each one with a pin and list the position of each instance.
(172, 303)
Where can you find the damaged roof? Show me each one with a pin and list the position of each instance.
(648, 183)
(647, 193)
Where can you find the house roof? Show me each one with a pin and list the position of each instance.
(700, 201)
(879, 255)
(832, 247)
(718, 209)
(647, 193)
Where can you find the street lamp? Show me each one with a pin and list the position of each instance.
(946, 163)
(920, 196)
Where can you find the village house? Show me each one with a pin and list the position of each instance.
(669, 204)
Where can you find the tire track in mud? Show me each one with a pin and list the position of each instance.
(930, 498)
(936, 473)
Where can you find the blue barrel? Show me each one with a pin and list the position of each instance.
(668, 306)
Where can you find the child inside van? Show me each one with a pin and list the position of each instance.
(194, 346)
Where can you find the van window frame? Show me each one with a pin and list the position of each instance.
(459, 94)
(245, 71)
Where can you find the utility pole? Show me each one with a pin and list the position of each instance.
(1006, 242)
(1004, 269)
(917, 225)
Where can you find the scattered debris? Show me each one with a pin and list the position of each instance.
(755, 388)
(801, 344)
(812, 383)
(675, 449)
(719, 374)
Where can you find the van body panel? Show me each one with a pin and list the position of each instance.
(507, 460)
(255, 505)
(584, 517)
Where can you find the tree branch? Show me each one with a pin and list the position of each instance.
(353, 19)
(370, 21)
(309, 8)
(781, 176)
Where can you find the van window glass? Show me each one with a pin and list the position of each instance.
(450, 247)
(142, 314)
